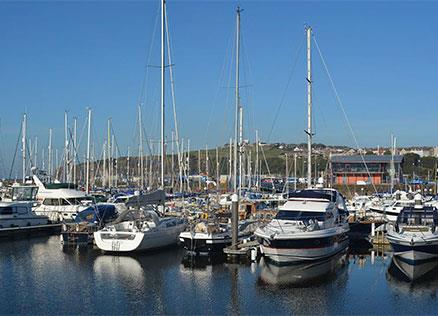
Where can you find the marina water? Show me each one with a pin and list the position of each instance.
(39, 276)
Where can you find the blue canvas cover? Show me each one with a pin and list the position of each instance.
(97, 213)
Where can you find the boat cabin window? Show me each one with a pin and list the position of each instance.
(300, 215)
(51, 202)
(63, 202)
(22, 210)
(121, 199)
(76, 201)
(7, 210)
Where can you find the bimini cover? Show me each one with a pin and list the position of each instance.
(153, 198)
(97, 213)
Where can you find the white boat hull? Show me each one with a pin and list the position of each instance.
(294, 255)
(137, 241)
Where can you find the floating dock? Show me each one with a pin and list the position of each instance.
(30, 231)
(243, 249)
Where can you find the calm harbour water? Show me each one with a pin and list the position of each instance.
(39, 276)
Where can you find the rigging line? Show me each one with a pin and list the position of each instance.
(78, 143)
(247, 75)
(75, 148)
(142, 97)
(117, 144)
(2, 160)
(221, 76)
(146, 74)
(147, 140)
(266, 162)
(338, 99)
(229, 108)
(285, 89)
(172, 90)
(15, 153)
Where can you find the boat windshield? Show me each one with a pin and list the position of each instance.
(300, 215)
(80, 201)
(22, 193)
(425, 217)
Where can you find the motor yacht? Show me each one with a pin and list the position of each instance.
(414, 237)
(19, 215)
(311, 225)
(60, 201)
(389, 209)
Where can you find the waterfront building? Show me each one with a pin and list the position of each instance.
(352, 169)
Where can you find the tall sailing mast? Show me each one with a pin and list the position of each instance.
(23, 141)
(237, 110)
(87, 175)
(75, 126)
(50, 155)
(163, 4)
(65, 147)
(109, 153)
(236, 193)
(309, 108)
(140, 148)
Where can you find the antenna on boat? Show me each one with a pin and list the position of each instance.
(309, 107)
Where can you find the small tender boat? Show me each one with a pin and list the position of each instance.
(414, 237)
(136, 230)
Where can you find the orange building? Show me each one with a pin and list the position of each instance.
(365, 169)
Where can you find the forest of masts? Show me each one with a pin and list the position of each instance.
(185, 170)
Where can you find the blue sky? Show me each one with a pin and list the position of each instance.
(68, 55)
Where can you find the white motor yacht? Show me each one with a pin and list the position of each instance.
(359, 205)
(139, 229)
(414, 237)
(60, 201)
(311, 225)
(390, 209)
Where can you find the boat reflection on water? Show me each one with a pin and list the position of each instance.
(118, 267)
(302, 275)
(201, 262)
(419, 280)
(423, 272)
